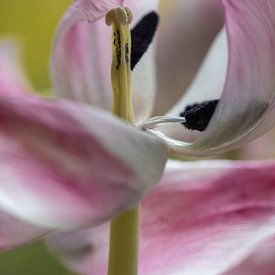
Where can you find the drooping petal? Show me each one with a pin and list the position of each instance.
(14, 233)
(261, 261)
(81, 60)
(203, 218)
(246, 107)
(12, 80)
(186, 32)
(83, 251)
(64, 165)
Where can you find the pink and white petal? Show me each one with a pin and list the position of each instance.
(81, 59)
(216, 213)
(12, 80)
(261, 261)
(65, 165)
(246, 107)
(83, 251)
(15, 233)
(187, 30)
(203, 218)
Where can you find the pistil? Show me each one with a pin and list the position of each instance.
(124, 230)
(120, 19)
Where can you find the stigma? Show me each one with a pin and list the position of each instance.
(120, 15)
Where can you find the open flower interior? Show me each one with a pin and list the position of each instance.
(67, 164)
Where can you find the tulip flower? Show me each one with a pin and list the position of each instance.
(67, 164)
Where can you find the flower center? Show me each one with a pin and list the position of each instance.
(127, 49)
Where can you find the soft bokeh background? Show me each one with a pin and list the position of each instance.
(32, 23)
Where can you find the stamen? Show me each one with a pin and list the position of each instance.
(157, 121)
(120, 18)
(142, 36)
(198, 116)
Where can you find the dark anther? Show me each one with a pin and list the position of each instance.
(142, 36)
(198, 115)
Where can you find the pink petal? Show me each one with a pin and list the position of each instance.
(12, 79)
(14, 233)
(261, 261)
(203, 218)
(65, 165)
(81, 60)
(187, 30)
(245, 111)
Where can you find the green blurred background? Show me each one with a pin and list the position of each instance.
(32, 23)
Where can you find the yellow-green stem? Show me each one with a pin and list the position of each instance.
(124, 239)
(124, 230)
